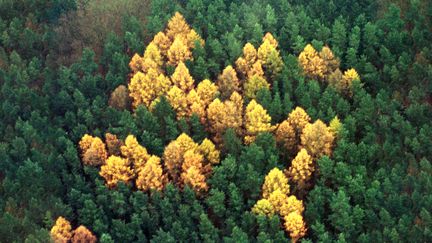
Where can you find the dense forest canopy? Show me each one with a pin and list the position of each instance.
(215, 121)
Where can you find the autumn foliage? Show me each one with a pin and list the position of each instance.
(62, 232)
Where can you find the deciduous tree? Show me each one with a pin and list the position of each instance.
(151, 176)
(275, 180)
(116, 169)
(61, 232)
(312, 64)
(317, 139)
(263, 207)
(83, 235)
(228, 82)
(295, 226)
(256, 120)
(301, 168)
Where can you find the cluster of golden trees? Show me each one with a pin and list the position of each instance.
(308, 141)
(184, 162)
(276, 200)
(324, 66)
(62, 232)
(173, 47)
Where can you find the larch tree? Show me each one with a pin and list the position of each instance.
(83, 235)
(113, 144)
(270, 58)
(177, 25)
(256, 120)
(194, 178)
(269, 37)
(317, 139)
(228, 82)
(301, 168)
(182, 78)
(136, 63)
(178, 51)
(253, 85)
(195, 105)
(152, 58)
(244, 63)
(134, 152)
(61, 232)
(295, 226)
(178, 100)
(335, 126)
(234, 111)
(151, 176)
(216, 117)
(286, 136)
(209, 151)
(292, 204)
(311, 63)
(207, 91)
(193, 37)
(263, 207)
(275, 180)
(348, 78)
(174, 154)
(298, 119)
(116, 169)
(93, 150)
(162, 42)
(119, 98)
(330, 61)
(277, 200)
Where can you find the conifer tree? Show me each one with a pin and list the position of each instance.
(162, 42)
(269, 37)
(253, 85)
(330, 61)
(182, 78)
(317, 139)
(209, 151)
(61, 232)
(335, 126)
(298, 119)
(256, 120)
(207, 91)
(228, 82)
(83, 235)
(178, 51)
(134, 152)
(292, 204)
(312, 64)
(301, 168)
(178, 100)
(275, 180)
(93, 150)
(277, 200)
(263, 207)
(177, 26)
(152, 58)
(286, 135)
(116, 169)
(151, 176)
(113, 144)
(295, 225)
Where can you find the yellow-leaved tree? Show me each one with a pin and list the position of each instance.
(93, 150)
(256, 120)
(278, 199)
(151, 176)
(298, 119)
(263, 207)
(301, 168)
(317, 139)
(178, 51)
(116, 169)
(207, 91)
(228, 82)
(286, 136)
(83, 235)
(311, 63)
(136, 154)
(173, 155)
(182, 78)
(292, 204)
(193, 173)
(275, 180)
(177, 26)
(269, 56)
(178, 100)
(253, 85)
(295, 225)
(330, 61)
(162, 42)
(61, 232)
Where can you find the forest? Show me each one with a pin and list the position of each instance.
(215, 121)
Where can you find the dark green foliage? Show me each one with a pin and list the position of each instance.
(375, 187)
